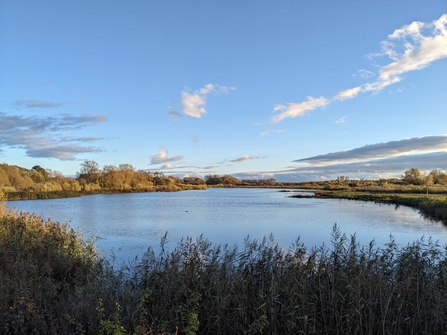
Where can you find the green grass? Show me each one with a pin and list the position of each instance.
(52, 282)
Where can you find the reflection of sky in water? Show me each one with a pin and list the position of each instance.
(129, 223)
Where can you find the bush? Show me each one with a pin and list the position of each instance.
(43, 265)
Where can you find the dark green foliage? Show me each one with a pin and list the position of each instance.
(43, 266)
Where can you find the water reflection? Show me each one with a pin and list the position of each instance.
(129, 223)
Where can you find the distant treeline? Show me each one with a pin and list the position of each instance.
(38, 183)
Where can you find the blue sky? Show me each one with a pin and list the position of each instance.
(292, 90)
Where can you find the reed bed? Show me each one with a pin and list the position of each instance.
(51, 282)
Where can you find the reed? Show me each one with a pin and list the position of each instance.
(51, 281)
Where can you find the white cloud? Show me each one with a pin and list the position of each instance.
(412, 47)
(194, 103)
(162, 157)
(380, 84)
(422, 44)
(167, 167)
(348, 94)
(292, 110)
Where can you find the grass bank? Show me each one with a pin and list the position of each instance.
(52, 282)
(33, 195)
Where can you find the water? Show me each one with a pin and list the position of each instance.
(127, 224)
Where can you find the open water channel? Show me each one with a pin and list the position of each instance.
(127, 224)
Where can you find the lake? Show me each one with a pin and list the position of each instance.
(127, 224)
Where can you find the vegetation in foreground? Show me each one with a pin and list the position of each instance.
(51, 282)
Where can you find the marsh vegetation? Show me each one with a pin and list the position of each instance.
(52, 281)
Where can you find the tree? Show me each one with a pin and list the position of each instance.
(416, 177)
(438, 177)
(193, 181)
(230, 180)
(41, 170)
(213, 179)
(90, 171)
(126, 168)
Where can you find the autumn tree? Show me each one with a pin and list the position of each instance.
(16, 177)
(111, 178)
(415, 177)
(159, 178)
(438, 177)
(90, 171)
(38, 174)
(230, 180)
(194, 181)
(127, 168)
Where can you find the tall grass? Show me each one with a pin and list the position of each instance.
(51, 282)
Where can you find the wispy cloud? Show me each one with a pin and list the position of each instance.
(412, 47)
(341, 120)
(195, 167)
(194, 103)
(425, 144)
(80, 139)
(38, 104)
(292, 110)
(175, 114)
(364, 74)
(162, 158)
(167, 167)
(267, 132)
(43, 137)
(246, 158)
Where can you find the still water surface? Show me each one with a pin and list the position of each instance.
(127, 224)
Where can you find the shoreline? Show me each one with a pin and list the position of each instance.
(431, 206)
